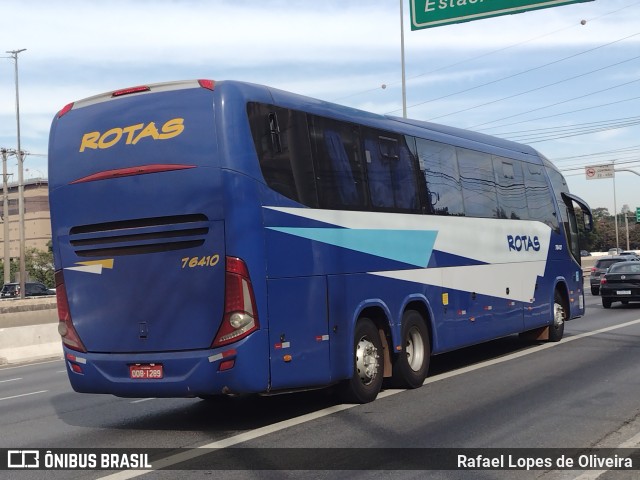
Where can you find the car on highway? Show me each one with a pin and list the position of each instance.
(32, 289)
(585, 253)
(614, 251)
(601, 266)
(621, 283)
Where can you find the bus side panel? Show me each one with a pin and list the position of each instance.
(298, 332)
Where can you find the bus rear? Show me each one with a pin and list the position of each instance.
(149, 300)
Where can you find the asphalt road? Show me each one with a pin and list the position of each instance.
(583, 392)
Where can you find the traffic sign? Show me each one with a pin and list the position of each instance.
(434, 13)
(596, 172)
(637, 215)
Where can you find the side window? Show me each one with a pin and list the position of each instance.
(439, 165)
(281, 139)
(391, 172)
(338, 164)
(478, 183)
(539, 197)
(512, 199)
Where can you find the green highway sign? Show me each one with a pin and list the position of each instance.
(637, 215)
(434, 13)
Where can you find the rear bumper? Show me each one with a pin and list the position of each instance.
(186, 374)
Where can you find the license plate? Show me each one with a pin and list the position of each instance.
(146, 371)
(623, 292)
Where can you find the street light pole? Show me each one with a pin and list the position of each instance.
(14, 55)
(5, 218)
(404, 81)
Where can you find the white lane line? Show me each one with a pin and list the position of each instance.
(276, 427)
(24, 365)
(633, 442)
(24, 395)
(143, 400)
(10, 380)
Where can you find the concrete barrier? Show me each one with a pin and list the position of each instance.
(29, 330)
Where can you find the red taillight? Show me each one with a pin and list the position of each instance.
(66, 109)
(208, 84)
(240, 313)
(603, 281)
(129, 91)
(593, 269)
(65, 327)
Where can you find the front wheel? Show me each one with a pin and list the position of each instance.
(412, 363)
(368, 368)
(556, 329)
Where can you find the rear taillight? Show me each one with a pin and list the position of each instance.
(603, 281)
(65, 326)
(240, 313)
(593, 269)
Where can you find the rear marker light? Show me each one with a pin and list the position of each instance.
(208, 84)
(66, 109)
(129, 91)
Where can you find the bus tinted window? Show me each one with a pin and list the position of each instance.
(510, 188)
(338, 163)
(439, 166)
(282, 143)
(391, 172)
(539, 197)
(478, 183)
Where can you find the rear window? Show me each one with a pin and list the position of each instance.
(607, 263)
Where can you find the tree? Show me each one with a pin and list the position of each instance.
(39, 265)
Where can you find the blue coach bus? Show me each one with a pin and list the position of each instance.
(225, 238)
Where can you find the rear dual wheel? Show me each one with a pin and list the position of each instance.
(412, 362)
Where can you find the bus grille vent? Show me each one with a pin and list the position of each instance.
(139, 236)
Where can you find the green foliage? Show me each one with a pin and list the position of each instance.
(38, 264)
(603, 236)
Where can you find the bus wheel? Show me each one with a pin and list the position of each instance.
(368, 368)
(556, 329)
(412, 363)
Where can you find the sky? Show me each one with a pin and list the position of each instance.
(564, 80)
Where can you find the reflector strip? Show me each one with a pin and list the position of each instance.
(131, 171)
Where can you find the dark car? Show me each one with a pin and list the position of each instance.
(601, 266)
(33, 289)
(585, 253)
(621, 283)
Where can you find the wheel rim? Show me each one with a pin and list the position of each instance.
(558, 315)
(414, 348)
(366, 361)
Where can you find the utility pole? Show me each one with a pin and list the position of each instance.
(23, 269)
(5, 217)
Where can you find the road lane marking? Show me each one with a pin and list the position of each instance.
(24, 365)
(143, 400)
(23, 395)
(276, 427)
(11, 380)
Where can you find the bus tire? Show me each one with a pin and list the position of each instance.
(368, 365)
(412, 363)
(556, 329)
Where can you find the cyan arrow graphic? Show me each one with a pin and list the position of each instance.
(413, 247)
